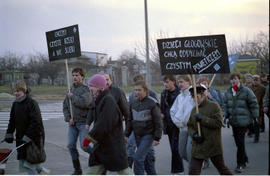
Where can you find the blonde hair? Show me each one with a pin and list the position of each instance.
(19, 85)
(186, 78)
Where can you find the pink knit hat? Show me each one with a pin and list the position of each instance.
(98, 81)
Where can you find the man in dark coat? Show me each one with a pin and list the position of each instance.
(26, 120)
(109, 152)
(208, 144)
(259, 91)
(168, 96)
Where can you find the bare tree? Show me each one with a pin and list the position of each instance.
(11, 61)
(153, 49)
(39, 63)
(257, 47)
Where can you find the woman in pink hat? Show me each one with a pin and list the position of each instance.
(107, 135)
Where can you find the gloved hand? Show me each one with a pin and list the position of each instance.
(86, 142)
(9, 140)
(197, 138)
(198, 117)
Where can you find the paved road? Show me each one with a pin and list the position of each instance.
(58, 159)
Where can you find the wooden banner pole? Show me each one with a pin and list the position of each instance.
(212, 80)
(68, 84)
(196, 102)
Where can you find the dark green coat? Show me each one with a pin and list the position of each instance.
(240, 109)
(210, 130)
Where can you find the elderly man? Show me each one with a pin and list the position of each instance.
(208, 144)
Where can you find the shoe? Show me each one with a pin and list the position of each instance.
(262, 130)
(239, 169)
(43, 171)
(246, 165)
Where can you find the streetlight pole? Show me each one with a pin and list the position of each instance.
(148, 80)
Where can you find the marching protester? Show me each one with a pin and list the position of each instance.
(208, 144)
(180, 113)
(259, 91)
(26, 120)
(264, 79)
(266, 101)
(213, 95)
(253, 128)
(145, 122)
(249, 80)
(80, 99)
(107, 135)
(240, 108)
(168, 97)
(149, 163)
(118, 95)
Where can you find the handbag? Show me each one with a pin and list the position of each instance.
(34, 154)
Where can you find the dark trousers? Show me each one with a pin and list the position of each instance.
(218, 161)
(176, 161)
(239, 139)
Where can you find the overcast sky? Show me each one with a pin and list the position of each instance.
(112, 26)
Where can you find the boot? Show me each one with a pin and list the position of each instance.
(77, 167)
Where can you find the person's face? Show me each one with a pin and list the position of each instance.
(264, 78)
(77, 78)
(183, 84)
(200, 98)
(256, 82)
(18, 94)
(108, 80)
(139, 92)
(169, 85)
(249, 80)
(235, 81)
(94, 90)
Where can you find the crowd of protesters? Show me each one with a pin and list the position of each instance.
(120, 135)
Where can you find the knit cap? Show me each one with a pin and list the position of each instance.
(98, 81)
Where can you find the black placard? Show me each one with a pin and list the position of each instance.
(63, 43)
(193, 55)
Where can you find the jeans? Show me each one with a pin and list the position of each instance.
(75, 131)
(149, 163)
(185, 146)
(218, 161)
(176, 161)
(144, 144)
(239, 138)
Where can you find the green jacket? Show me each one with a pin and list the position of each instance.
(241, 108)
(210, 130)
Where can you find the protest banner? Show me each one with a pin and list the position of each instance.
(64, 43)
(193, 55)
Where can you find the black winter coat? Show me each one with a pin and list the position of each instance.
(108, 132)
(25, 118)
(166, 102)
